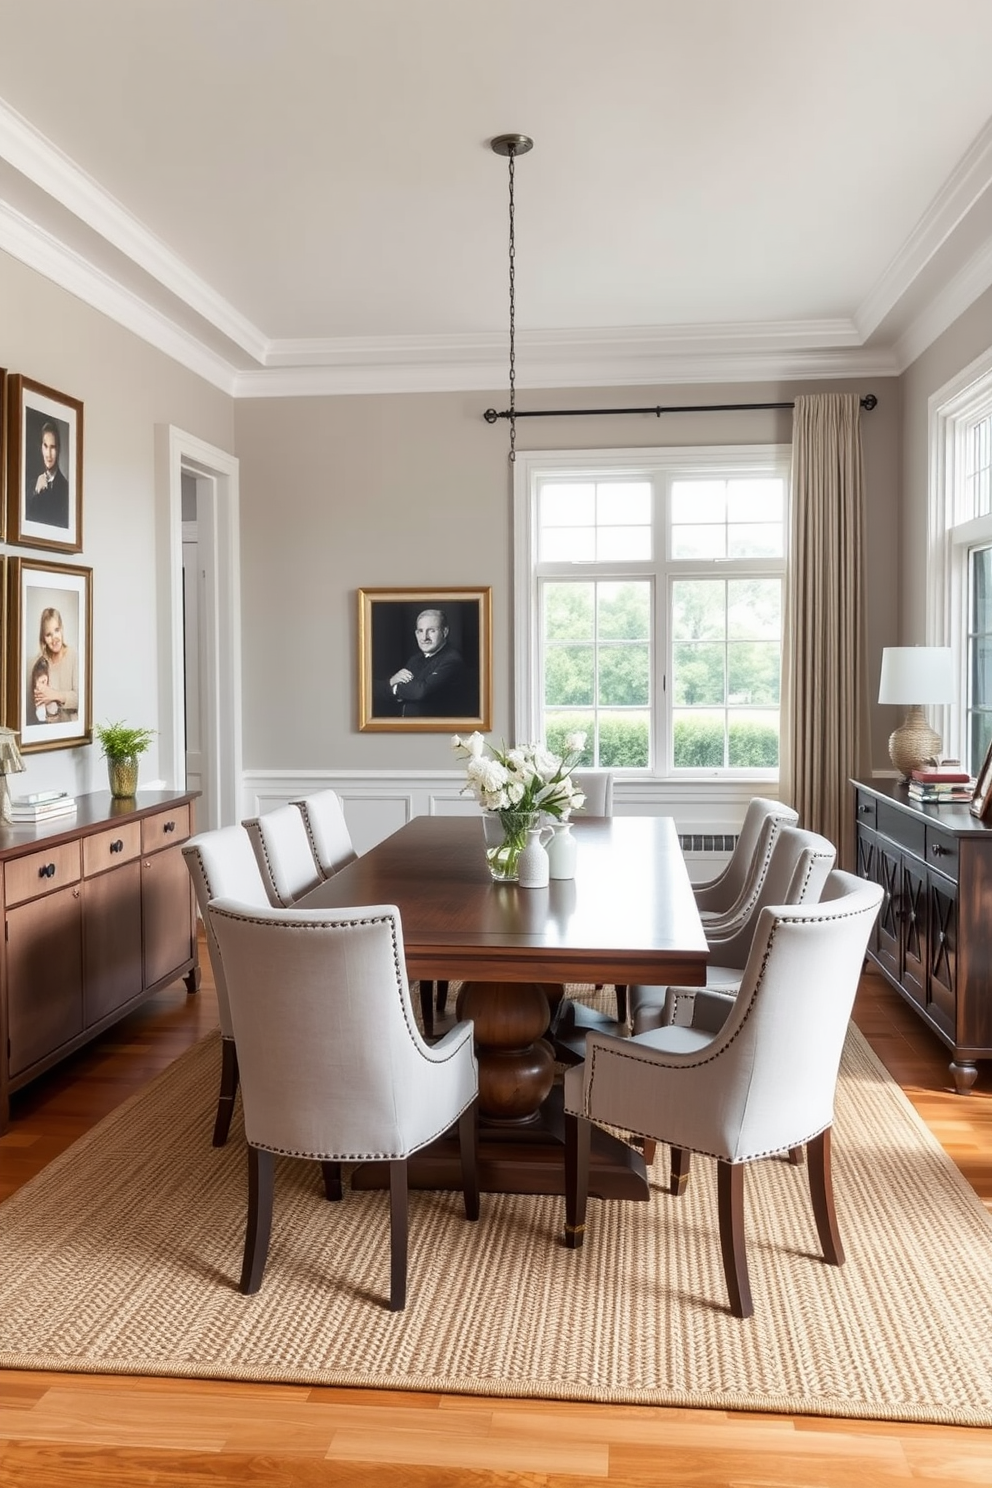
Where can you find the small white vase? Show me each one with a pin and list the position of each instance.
(532, 864)
(562, 851)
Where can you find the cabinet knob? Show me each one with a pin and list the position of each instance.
(118, 846)
(170, 826)
(938, 850)
(864, 807)
(47, 870)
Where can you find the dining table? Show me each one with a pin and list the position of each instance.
(627, 916)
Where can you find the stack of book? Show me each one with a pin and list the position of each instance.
(41, 806)
(940, 785)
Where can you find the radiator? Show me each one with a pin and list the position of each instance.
(706, 853)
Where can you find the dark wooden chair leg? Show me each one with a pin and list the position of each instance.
(427, 1007)
(650, 1149)
(228, 1090)
(468, 1147)
(730, 1203)
(797, 1156)
(681, 1159)
(399, 1224)
(821, 1191)
(261, 1182)
(441, 999)
(621, 992)
(578, 1141)
(332, 1180)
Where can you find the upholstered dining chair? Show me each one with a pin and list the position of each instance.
(222, 863)
(282, 848)
(327, 831)
(797, 870)
(717, 896)
(763, 1083)
(334, 1069)
(597, 787)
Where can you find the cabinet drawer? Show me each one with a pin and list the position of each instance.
(942, 851)
(867, 809)
(111, 849)
(41, 872)
(908, 831)
(164, 829)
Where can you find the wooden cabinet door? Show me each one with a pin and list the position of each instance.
(166, 915)
(44, 976)
(111, 941)
(888, 868)
(913, 915)
(943, 943)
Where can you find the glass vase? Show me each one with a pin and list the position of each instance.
(123, 774)
(506, 837)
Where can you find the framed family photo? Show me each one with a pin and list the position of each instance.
(425, 660)
(982, 798)
(44, 463)
(49, 670)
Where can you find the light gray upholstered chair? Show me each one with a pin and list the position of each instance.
(327, 831)
(222, 863)
(797, 870)
(282, 848)
(718, 896)
(762, 1084)
(597, 786)
(335, 1069)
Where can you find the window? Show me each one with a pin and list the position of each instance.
(651, 597)
(960, 555)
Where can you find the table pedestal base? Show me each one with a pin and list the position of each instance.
(528, 1159)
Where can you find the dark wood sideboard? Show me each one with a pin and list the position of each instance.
(933, 936)
(98, 914)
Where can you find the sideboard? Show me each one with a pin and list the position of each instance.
(98, 914)
(933, 936)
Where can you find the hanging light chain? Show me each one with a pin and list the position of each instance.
(511, 153)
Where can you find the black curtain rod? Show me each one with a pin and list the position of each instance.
(869, 401)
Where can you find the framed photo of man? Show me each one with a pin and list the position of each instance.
(425, 660)
(44, 467)
(49, 674)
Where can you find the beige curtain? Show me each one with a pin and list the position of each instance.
(824, 672)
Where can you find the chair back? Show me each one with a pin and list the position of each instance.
(327, 831)
(282, 850)
(792, 869)
(335, 1066)
(597, 787)
(222, 864)
(720, 895)
(776, 1059)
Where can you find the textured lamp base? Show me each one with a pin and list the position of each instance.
(913, 743)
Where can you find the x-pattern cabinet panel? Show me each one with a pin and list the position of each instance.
(931, 938)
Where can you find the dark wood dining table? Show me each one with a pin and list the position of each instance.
(628, 916)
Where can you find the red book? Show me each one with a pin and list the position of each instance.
(935, 777)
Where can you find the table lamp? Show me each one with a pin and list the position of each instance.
(10, 764)
(915, 676)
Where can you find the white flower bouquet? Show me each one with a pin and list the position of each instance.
(518, 785)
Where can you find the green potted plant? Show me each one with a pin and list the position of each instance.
(122, 746)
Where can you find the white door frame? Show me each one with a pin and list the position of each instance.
(216, 474)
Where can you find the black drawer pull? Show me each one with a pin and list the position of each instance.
(118, 846)
(169, 827)
(939, 851)
(47, 870)
(865, 807)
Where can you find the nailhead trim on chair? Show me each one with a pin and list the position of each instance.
(301, 807)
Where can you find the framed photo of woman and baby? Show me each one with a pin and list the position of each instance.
(49, 672)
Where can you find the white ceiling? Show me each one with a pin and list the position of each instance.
(298, 195)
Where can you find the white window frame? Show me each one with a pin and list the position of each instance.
(952, 534)
(532, 466)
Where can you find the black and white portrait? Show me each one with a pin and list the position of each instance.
(424, 659)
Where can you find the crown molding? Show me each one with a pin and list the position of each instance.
(972, 280)
(48, 256)
(966, 183)
(42, 163)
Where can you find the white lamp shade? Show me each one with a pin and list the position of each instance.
(917, 674)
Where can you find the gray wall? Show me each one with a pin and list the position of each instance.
(344, 493)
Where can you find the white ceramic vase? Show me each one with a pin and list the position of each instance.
(562, 851)
(532, 864)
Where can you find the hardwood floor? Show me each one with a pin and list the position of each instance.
(106, 1432)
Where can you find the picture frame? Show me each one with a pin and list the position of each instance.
(982, 797)
(54, 601)
(3, 472)
(4, 647)
(44, 466)
(448, 686)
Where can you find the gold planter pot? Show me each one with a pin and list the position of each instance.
(123, 776)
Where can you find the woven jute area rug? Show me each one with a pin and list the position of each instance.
(123, 1257)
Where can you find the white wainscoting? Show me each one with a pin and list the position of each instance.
(377, 803)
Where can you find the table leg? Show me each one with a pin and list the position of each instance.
(516, 1064)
